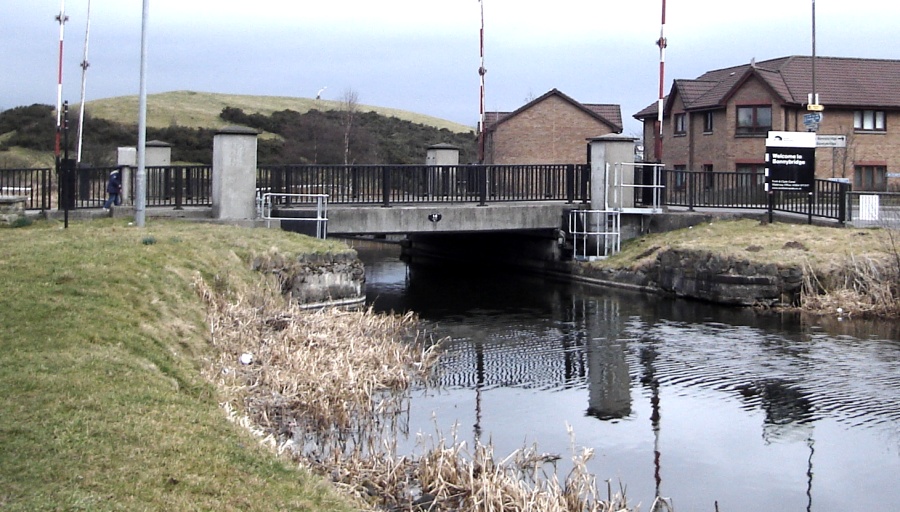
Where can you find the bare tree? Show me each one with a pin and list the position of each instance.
(349, 107)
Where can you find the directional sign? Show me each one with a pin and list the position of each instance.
(811, 121)
(812, 117)
(831, 141)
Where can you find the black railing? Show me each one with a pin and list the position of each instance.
(89, 187)
(34, 185)
(702, 189)
(407, 184)
(714, 189)
(178, 186)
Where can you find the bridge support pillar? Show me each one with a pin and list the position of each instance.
(605, 152)
(234, 173)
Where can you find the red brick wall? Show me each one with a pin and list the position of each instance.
(550, 132)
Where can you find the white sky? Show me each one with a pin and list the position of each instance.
(420, 55)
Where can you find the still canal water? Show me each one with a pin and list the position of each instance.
(704, 405)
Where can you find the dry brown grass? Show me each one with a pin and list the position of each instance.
(329, 388)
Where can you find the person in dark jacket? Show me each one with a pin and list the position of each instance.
(114, 190)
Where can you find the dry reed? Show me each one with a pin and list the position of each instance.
(859, 286)
(329, 387)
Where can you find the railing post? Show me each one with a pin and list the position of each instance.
(810, 199)
(842, 202)
(570, 183)
(45, 192)
(386, 186)
(179, 187)
(482, 185)
(691, 185)
(585, 185)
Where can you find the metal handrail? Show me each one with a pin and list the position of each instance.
(265, 202)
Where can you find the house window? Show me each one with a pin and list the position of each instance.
(869, 120)
(708, 122)
(679, 124)
(755, 120)
(870, 177)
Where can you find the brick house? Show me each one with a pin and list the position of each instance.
(719, 121)
(551, 129)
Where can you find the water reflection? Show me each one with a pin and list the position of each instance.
(705, 404)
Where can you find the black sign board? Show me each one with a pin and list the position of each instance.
(791, 161)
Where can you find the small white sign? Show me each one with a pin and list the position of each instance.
(831, 141)
(791, 140)
(868, 207)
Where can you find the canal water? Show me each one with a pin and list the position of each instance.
(706, 406)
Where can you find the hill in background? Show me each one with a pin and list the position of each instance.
(202, 109)
(294, 130)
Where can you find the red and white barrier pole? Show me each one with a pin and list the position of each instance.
(61, 18)
(658, 148)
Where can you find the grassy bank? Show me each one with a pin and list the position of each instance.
(856, 269)
(104, 340)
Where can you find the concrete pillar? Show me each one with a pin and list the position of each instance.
(157, 159)
(234, 173)
(158, 154)
(126, 159)
(611, 149)
(443, 181)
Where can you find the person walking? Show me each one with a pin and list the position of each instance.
(113, 190)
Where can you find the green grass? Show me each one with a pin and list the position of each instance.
(820, 247)
(103, 348)
(201, 110)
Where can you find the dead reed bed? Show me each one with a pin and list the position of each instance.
(329, 388)
(859, 286)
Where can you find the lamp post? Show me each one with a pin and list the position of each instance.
(140, 192)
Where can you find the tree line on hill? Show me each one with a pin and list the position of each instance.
(330, 137)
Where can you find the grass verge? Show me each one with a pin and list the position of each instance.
(857, 269)
(104, 340)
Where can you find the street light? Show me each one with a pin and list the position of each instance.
(140, 192)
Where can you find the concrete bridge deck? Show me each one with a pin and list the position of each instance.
(445, 218)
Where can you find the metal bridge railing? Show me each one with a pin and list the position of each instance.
(35, 185)
(408, 184)
(702, 189)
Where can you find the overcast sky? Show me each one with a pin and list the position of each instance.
(420, 55)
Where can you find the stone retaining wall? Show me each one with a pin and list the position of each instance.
(316, 280)
(12, 208)
(706, 276)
